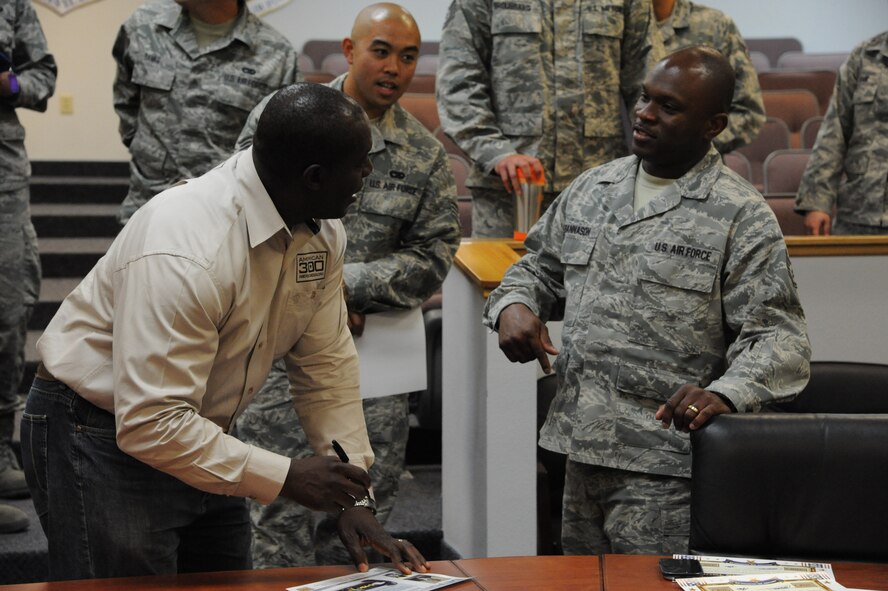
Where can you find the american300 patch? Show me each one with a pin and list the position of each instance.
(311, 266)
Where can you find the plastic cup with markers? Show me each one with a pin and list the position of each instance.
(528, 202)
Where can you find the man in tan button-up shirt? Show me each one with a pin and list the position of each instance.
(151, 359)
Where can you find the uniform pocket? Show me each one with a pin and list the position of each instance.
(393, 204)
(605, 21)
(154, 76)
(680, 284)
(655, 383)
(524, 19)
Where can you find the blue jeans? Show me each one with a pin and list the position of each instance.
(105, 513)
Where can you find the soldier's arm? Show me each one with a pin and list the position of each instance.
(463, 87)
(820, 182)
(126, 92)
(33, 65)
(641, 48)
(416, 269)
(747, 110)
(768, 353)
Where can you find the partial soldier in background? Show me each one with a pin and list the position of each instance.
(402, 234)
(674, 283)
(27, 80)
(847, 175)
(683, 23)
(187, 77)
(537, 85)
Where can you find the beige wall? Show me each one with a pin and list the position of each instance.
(81, 43)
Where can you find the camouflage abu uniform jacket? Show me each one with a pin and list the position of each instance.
(23, 43)
(403, 231)
(515, 75)
(181, 107)
(853, 141)
(696, 287)
(694, 24)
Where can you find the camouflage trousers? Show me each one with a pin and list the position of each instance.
(19, 290)
(608, 511)
(493, 212)
(288, 534)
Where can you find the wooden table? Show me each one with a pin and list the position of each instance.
(523, 573)
(622, 572)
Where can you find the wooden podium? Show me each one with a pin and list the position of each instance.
(489, 404)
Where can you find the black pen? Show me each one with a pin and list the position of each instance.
(340, 452)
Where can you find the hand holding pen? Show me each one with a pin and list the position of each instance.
(358, 529)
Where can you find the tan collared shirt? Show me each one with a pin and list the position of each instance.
(177, 326)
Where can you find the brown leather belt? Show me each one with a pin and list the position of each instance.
(44, 374)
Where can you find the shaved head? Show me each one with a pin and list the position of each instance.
(382, 53)
(378, 13)
(712, 68)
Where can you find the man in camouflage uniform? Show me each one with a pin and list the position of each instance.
(847, 175)
(187, 77)
(537, 85)
(673, 280)
(27, 80)
(683, 23)
(402, 234)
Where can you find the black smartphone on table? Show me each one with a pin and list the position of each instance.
(680, 568)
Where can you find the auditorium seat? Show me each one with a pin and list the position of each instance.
(318, 49)
(810, 129)
(305, 64)
(782, 171)
(794, 107)
(774, 135)
(773, 47)
(422, 84)
(318, 77)
(820, 82)
(791, 486)
(334, 64)
(423, 107)
(791, 223)
(799, 60)
(739, 164)
(760, 61)
(427, 65)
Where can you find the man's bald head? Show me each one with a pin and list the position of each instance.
(382, 53)
(709, 66)
(382, 12)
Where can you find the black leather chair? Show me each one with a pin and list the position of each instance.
(550, 477)
(843, 387)
(802, 486)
